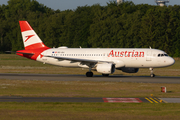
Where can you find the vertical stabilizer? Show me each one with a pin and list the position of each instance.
(30, 39)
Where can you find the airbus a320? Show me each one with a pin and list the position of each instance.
(102, 60)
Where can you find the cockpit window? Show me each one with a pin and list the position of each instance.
(161, 55)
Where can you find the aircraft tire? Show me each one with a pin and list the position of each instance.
(89, 74)
(152, 75)
(105, 75)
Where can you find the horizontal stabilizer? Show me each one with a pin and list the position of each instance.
(25, 53)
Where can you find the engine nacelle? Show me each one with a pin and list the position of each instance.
(106, 68)
(130, 70)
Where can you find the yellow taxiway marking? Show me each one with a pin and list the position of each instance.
(154, 100)
(159, 100)
(149, 100)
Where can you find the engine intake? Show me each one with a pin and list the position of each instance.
(106, 68)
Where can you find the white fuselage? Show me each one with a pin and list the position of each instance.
(121, 57)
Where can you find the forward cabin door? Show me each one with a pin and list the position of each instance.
(148, 55)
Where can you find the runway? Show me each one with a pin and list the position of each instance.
(88, 100)
(113, 78)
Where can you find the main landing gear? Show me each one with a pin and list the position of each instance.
(105, 75)
(152, 74)
(89, 74)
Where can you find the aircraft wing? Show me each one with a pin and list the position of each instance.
(80, 60)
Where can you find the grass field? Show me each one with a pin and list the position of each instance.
(88, 111)
(34, 88)
(80, 111)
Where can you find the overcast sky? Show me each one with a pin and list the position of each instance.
(73, 4)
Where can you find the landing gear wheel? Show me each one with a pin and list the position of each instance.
(89, 74)
(105, 75)
(152, 75)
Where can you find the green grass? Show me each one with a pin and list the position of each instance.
(34, 88)
(95, 111)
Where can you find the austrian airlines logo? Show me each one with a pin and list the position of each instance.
(41, 55)
(28, 37)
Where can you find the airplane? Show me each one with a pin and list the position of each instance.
(102, 60)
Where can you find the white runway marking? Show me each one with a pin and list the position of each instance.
(122, 100)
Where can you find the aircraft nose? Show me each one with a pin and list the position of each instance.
(171, 61)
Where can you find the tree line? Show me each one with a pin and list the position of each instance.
(112, 26)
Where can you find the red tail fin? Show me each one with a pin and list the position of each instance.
(30, 39)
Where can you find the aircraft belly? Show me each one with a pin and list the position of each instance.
(62, 63)
(67, 63)
(139, 63)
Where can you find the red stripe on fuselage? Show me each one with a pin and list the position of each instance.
(24, 25)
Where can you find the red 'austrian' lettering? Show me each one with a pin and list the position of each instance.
(126, 53)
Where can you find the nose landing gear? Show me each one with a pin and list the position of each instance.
(152, 74)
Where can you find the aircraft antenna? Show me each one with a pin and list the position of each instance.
(161, 2)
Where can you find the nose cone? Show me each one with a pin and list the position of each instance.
(170, 61)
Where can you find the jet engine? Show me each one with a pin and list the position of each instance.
(130, 70)
(105, 68)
